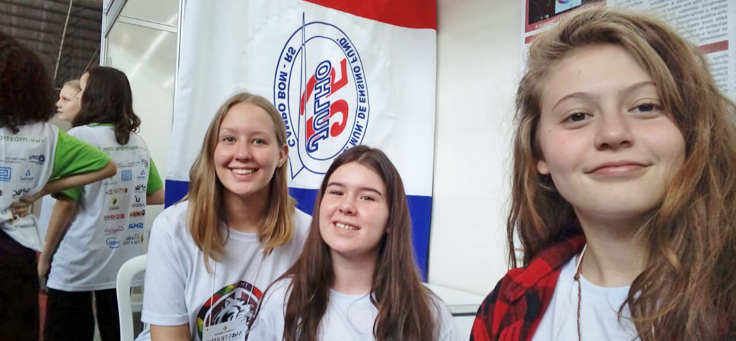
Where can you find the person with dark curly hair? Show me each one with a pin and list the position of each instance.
(36, 158)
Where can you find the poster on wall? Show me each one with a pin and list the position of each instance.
(710, 24)
(341, 74)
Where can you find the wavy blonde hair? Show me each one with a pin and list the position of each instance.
(206, 210)
(688, 288)
(74, 84)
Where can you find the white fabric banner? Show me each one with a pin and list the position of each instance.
(368, 77)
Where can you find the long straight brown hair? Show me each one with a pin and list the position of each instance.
(688, 288)
(206, 210)
(405, 307)
(107, 98)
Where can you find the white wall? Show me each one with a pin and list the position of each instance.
(142, 43)
(478, 68)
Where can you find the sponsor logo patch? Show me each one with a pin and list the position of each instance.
(5, 174)
(112, 242)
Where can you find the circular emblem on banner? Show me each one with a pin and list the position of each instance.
(235, 302)
(321, 92)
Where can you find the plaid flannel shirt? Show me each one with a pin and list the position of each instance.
(513, 310)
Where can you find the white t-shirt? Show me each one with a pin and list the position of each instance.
(348, 317)
(178, 289)
(30, 152)
(598, 311)
(108, 229)
(39, 152)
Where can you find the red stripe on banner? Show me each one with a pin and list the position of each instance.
(405, 13)
(715, 47)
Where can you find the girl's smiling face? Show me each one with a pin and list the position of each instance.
(247, 151)
(606, 140)
(354, 212)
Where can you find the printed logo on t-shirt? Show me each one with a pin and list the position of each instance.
(39, 159)
(135, 239)
(114, 230)
(114, 206)
(20, 192)
(137, 202)
(126, 175)
(117, 216)
(111, 181)
(113, 243)
(140, 188)
(145, 163)
(138, 213)
(27, 177)
(235, 302)
(113, 191)
(135, 226)
(5, 173)
(142, 175)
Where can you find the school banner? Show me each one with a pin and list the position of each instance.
(365, 71)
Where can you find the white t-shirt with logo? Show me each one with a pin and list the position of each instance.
(108, 228)
(179, 290)
(348, 317)
(38, 153)
(598, 311)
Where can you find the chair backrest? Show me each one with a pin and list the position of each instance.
(131, 268)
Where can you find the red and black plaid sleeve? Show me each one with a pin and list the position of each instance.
(513, 310)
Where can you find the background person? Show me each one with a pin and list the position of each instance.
(67, 107)
(104, 220)
(34, 152)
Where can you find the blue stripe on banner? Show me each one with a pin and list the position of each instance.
(175, 190)
(420, 208)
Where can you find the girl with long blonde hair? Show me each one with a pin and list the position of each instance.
(236, 231)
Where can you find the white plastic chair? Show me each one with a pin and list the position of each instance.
(126, 307)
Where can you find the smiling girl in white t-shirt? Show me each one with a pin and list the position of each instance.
(357, 279)
(213, 254)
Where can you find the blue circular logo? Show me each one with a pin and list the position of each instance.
(321, 92)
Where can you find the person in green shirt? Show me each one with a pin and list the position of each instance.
(94, 230)
(36, 158)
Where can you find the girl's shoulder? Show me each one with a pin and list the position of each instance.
(277, 292)
(447, 327)
(301, 224)
(173, 219)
